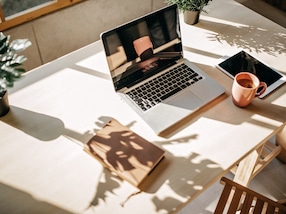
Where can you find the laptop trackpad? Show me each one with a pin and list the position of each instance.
(186, 100)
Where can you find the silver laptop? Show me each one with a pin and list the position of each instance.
(145, 58)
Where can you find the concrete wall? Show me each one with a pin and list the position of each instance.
(281, 4)
(64, 31)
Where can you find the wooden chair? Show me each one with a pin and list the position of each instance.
(236, 198)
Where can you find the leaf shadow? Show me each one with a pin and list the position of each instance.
(246, 37)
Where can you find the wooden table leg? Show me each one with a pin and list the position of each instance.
(281, 140)
(245, 169)
(250, 166)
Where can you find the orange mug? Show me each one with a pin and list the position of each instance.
(245, 88)
(142, 44)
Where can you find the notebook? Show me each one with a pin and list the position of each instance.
(124, 152)
(147, 53)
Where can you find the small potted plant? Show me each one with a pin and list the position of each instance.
(9, 67)
(190, 8)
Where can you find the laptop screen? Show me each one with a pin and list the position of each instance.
(143, 47)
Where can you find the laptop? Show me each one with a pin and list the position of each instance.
(149, 72)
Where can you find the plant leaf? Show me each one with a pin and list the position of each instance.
(19, 44)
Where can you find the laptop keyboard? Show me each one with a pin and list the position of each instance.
(160, 88)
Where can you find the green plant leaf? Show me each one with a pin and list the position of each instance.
(193, 5)
(10, 61)
(20, 44)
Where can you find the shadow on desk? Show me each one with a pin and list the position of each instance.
(223, 110)
(168, 174)
(37, 125)
(245, 37)
(40, 126)
(16, 201)
(179, 181)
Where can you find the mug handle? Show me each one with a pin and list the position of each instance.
(262, 85)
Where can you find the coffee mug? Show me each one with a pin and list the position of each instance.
(245, 88)
(143, 47)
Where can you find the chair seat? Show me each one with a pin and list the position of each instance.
(236, 198)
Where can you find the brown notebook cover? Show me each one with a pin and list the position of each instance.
(124, 152)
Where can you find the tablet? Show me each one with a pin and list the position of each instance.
(243, 61)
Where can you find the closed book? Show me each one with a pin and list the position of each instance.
(124, 152)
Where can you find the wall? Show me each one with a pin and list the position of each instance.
(281, 4)
(64, 31)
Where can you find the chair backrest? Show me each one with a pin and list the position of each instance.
(236, 198)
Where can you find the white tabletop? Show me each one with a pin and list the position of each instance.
(57, 107)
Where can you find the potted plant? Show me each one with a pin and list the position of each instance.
(9, 67)
(190, 8)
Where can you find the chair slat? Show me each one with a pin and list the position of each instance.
(270, 209)
(247, 203)
(237, 198)
(258, 207)
(223, 199)
(281, 211)
(235, 201)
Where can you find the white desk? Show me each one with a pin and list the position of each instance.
(59, 106)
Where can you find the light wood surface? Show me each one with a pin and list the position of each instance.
(57, 107)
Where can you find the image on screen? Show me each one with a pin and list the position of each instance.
(143, 47)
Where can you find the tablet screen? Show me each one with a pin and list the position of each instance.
(242, 61)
